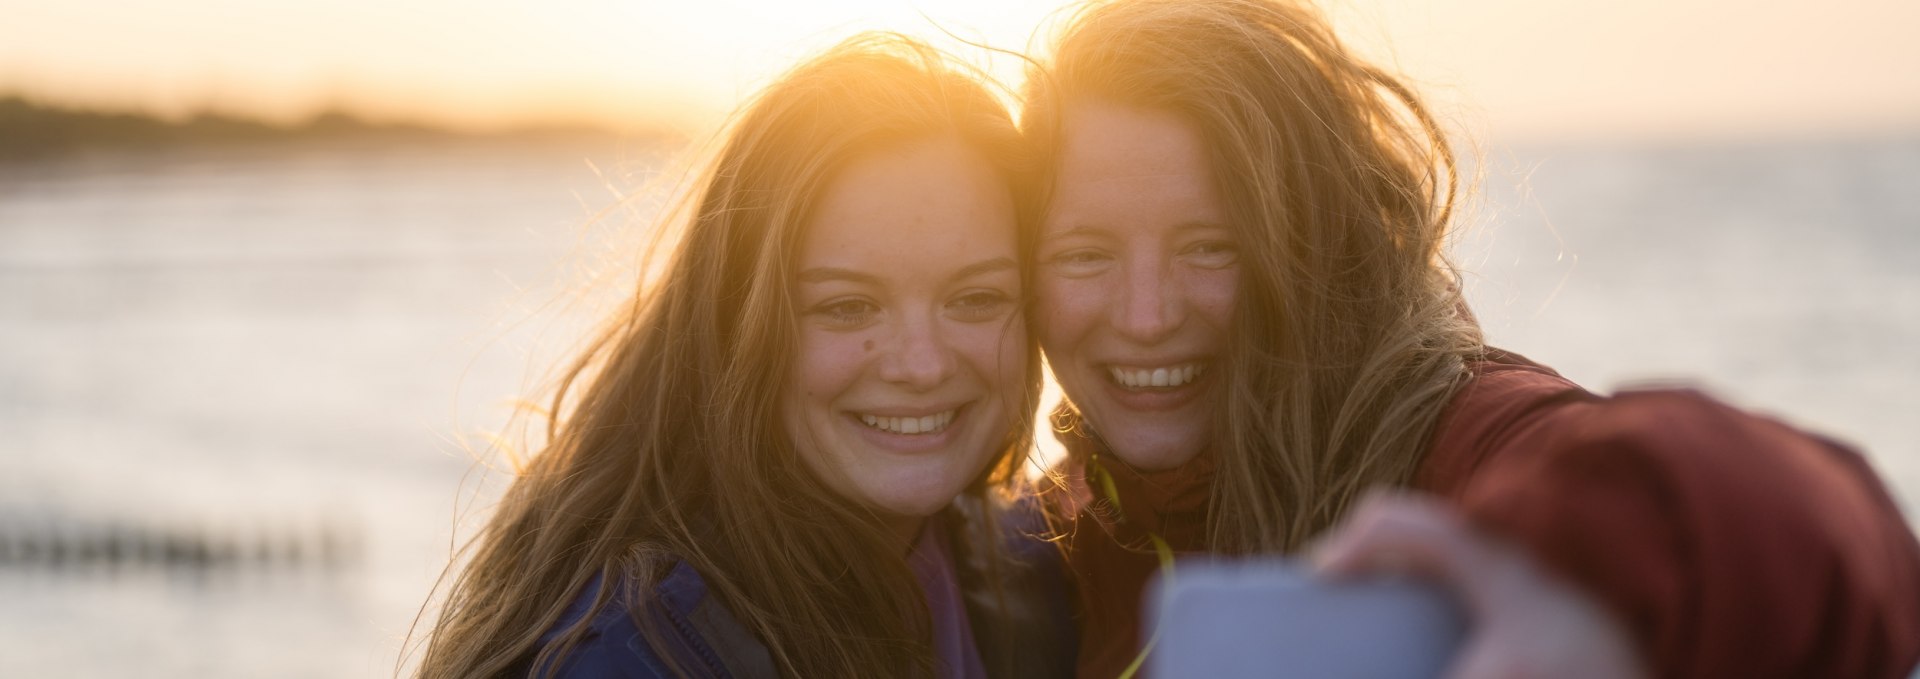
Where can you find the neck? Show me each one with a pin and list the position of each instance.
(906, 530)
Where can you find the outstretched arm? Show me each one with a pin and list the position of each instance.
(1729, 545)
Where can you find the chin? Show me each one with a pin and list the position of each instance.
(906, 498)
(1147, 454)
(914, 508)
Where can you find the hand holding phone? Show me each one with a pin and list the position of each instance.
(1526, 620)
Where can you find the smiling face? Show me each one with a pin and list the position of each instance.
(1136, 280)
(912, 354)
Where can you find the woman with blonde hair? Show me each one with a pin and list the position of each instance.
(789, 455)
(1243, 292)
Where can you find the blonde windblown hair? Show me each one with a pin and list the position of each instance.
(1350, 334)
(664, 438)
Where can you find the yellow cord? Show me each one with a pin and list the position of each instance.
(1160, 548)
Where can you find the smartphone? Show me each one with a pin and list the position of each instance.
(1273, 618)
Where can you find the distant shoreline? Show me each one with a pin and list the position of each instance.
(31, 131)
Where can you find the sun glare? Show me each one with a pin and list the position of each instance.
(720, 52)
(476, 64)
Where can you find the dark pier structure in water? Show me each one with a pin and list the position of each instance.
(61, 544)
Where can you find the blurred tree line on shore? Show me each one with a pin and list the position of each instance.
(34, 131)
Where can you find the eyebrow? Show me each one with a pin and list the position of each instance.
(826, 273)
(1095, 230)
(985, 266)
(1077, 230)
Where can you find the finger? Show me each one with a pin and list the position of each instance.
(1478, 661)
(1396, 533)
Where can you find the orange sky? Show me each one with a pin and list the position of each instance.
(1510, 68)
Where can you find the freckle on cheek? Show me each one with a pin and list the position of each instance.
(868, 345)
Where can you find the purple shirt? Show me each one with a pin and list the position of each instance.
(953, 645)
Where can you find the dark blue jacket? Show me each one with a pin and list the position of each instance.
(1027, 633)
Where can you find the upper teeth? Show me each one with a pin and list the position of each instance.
(910, 425)
(1157, 377)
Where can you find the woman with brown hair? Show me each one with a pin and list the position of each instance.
(1243, 293)
(786, 456)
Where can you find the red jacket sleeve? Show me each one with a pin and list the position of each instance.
(1732, 545)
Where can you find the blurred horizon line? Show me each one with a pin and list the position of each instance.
(31, 128)
(35, 128)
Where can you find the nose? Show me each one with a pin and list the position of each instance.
(919, 357)
(1150, 306)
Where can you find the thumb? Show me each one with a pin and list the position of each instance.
(1405, 534)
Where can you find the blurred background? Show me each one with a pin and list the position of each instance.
(269, 270)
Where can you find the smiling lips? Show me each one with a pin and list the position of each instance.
(1149, 378)
(929, 424)
(1135, 379)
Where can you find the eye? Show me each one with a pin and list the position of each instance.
(1212, 254)
(1080, 262)
(846, 313)
(980, 305)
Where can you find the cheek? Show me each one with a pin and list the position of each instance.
(1012, 357)
(997, 352)
(1068, 308)
(1214, 294)
(826, 365)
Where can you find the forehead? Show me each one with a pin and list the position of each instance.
(927, 205)
(1121, 163)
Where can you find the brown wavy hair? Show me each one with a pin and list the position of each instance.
(1350, 334)
(664, 440)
